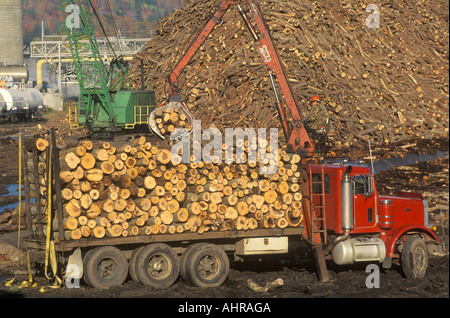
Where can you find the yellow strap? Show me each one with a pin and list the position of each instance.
(30, 282)
(23, 284)
(53, 263)
(8, 283)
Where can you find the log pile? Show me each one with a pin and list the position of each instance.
(384, 84)
(169, 118)
(136, 188)
(241, 197)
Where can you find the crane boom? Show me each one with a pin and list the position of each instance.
(108, 104)
(88, 64)
(297, 136)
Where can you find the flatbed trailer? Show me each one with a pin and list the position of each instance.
(343, 218)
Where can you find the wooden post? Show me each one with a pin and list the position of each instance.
(26, 188)
(37, 193)
(56, 171)
(321, 265)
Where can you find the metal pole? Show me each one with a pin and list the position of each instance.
(371, 158)
(59, 68)
(443, 229)
(20, 188)
(280, 109)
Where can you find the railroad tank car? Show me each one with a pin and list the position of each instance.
(18, 105)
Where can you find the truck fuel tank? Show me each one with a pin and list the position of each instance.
(359, 250)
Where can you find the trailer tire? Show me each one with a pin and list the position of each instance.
(106, 267)
(85, 261)
(183, 262)
(414, 258)
(157, 265)
(206, 265)
(132, 265)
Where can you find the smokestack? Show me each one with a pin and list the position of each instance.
(11, 37)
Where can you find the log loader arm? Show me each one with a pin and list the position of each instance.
(296, 134)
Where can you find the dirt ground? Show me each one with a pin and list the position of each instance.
(300, 281)
(299, 276)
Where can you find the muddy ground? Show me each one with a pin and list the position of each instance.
(299, 276)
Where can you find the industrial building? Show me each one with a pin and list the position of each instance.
(39, 74)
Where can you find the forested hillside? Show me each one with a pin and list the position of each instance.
(133, 17)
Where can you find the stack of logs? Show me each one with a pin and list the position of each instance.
(383, 84)
(169, 118)
(141, 189)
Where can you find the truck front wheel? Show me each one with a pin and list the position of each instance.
(106, 267)
(414, 258)
(206, 265)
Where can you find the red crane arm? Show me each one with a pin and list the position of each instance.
(215, 19)
(298, 138)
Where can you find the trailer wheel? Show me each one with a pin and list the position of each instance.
(157, 265)
(106, 267)
(183, 263)
(206, 265)
(132, 265)
(85, 261)
(414, 258)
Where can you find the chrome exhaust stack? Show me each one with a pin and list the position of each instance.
(347, 201)
(346, 210)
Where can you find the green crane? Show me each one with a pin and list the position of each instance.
(107, 103)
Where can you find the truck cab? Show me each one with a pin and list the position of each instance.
(345, 213)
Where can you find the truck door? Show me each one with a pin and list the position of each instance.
(363, 202)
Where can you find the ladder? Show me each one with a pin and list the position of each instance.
(140, 116)
(315, 218)
(318, 230)
(73, 117)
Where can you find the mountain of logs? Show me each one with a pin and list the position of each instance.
(138, 188)
(383, 84)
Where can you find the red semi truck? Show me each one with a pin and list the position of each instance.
(345, 218)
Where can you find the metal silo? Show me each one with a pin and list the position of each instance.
(11, 38)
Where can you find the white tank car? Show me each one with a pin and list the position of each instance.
(20, 103)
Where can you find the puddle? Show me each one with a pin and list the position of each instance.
(13, 189)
